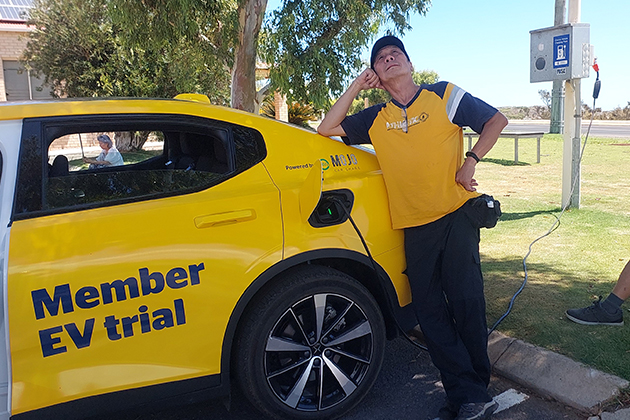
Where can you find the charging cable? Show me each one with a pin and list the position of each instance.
(377, 273)
(555, 224)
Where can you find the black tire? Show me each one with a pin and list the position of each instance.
(294, 361)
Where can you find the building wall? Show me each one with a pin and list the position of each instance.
(13, 39)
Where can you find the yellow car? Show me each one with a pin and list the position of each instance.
(230, 249)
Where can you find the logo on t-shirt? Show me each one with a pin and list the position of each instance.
(405, 123)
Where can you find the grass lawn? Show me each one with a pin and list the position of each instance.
(128, 158)
(577, 262)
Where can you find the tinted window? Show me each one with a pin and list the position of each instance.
(64, 166)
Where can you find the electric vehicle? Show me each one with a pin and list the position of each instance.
(230, 250)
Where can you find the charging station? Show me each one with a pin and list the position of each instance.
(564, 53)
(560, 53)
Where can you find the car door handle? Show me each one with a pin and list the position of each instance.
(226, 218)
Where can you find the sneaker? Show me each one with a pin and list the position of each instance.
(595, 315)
(448, 412)
(477, 411)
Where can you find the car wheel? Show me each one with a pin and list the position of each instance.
(311, 347)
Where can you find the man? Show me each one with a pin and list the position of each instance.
(609, 311)
(418, 140)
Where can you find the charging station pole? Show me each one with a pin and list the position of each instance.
(571, 170)
(571, 146)
(556, 125)
(563, 53)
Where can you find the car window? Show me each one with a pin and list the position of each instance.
(82, 163)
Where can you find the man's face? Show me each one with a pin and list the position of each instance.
(391, 62)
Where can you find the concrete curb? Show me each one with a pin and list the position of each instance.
(550, 374)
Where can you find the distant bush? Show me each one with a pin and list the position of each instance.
(616, 114)
(535, 112)
(539, 112)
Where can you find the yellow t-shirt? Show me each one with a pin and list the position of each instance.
(420, 149)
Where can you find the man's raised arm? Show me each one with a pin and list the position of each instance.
(331, 125)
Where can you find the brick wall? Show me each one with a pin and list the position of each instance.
(12, 44)
(282, 110)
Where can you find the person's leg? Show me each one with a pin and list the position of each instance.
(424, 246)
(608, 311)
(622, 288)
(463, 286)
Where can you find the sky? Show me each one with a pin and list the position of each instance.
(483, 46)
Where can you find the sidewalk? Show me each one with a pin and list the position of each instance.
(552, 375)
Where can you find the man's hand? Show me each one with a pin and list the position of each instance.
(487, 138)
(368, 79)
(464, 176)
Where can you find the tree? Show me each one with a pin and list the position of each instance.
(545, 96)
(82, 53)
(313, 46)
(298, 114)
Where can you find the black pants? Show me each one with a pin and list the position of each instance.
(447, 286)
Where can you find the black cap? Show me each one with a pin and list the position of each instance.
(385, 42)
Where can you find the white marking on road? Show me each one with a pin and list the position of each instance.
(509, 398)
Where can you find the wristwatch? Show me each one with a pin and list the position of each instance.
(473, 155)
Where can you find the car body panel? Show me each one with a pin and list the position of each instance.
(154, 237)
(188, 260)
(354, 168)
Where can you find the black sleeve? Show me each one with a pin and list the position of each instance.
(357, 126)
(473, 112)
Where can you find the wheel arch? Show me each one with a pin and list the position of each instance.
(353, 263)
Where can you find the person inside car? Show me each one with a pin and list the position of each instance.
(109, 156)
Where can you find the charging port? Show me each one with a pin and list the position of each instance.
(333, 208)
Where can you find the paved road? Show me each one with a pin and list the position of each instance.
(614, 129)
(407, 389)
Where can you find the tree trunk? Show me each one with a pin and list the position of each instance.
(127, 141)
(250, 15)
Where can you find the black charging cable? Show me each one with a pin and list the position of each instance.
(378, 275)
(556, 224)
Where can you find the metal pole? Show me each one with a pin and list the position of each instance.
(557, 92)
(567, 155)
(571, 188)
(575, 7)
(575, 146)
(573, 116)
